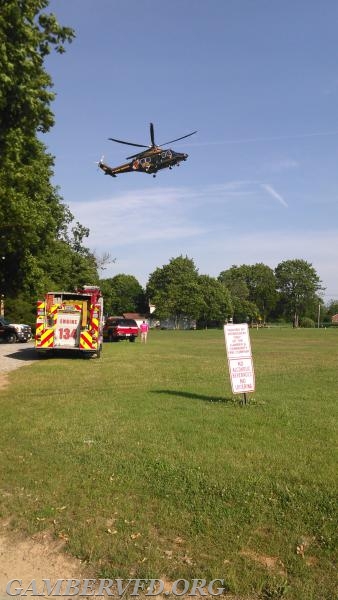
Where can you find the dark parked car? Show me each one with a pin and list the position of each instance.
(118, 328)
(14, 332)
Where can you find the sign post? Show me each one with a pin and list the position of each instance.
(241, 369)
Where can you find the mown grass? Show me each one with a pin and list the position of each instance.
(149, 467)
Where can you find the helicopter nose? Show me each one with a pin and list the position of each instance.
(185, 156)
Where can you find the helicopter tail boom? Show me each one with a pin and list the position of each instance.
(114, 171)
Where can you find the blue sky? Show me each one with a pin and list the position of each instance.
(257, 79)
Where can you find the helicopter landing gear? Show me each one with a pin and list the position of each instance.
(154, 175)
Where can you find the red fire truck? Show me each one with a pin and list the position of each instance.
(70, 321)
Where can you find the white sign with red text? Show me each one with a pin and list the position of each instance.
(67, 330)
(238, 347)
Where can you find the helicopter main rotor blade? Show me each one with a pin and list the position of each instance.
(128, 143)
(152, 137)
(180, 138)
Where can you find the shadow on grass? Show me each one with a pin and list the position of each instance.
(193, 396)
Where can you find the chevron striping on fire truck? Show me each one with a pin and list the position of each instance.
(70, 321)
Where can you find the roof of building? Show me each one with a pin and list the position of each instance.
(133, 315)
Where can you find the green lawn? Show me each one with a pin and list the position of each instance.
(149, 467)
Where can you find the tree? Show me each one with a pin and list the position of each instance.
(27, 37)
(332, 308)
(175, 291)
(261, 282)
(122, 293)
(234, 279)
(253, 283)
(216, 301)
(327, 312)
(36, 247)
(60, 266)
(298, 284)
(31, 216)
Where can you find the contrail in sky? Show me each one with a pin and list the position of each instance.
(272, 192)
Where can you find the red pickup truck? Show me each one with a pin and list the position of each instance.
(117, 328)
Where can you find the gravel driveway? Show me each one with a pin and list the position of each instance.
(13, 356)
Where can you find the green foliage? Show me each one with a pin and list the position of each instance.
(63, 268)
(22, 309)
(122, 293)
(307, 322)
(39, 248)
(216, 305)
(332, 308)
(245, 311)
(31, 214)
(253, 289)
(274, 591)
(234, 281)
(27, 37)
(298, 284)
(261, 282)
(174, 289)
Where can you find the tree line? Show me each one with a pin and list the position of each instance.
(43, 248)
(246, 293)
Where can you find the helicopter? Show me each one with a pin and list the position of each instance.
(147, 161)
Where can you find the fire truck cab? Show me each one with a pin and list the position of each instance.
(70, 321)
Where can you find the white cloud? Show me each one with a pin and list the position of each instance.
(173, 209)
(285, 164)
(135, 217)
(217, 226)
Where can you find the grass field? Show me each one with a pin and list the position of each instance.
(149, 467)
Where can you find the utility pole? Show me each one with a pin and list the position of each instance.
(318, 322)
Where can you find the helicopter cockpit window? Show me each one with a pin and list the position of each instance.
(166, 154)
(145, 161)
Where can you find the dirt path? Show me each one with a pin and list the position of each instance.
(16, 355)
(38, 557)
(13, 356)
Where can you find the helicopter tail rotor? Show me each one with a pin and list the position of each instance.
(99, 162)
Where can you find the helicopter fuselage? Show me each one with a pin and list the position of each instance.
(150, 161)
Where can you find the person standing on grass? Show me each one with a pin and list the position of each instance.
(144, 328)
